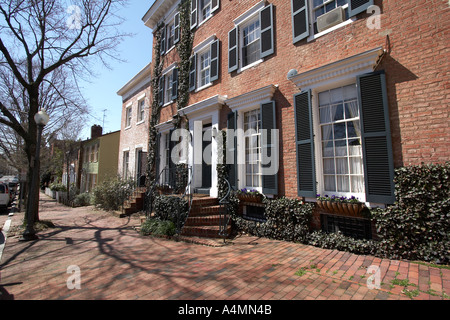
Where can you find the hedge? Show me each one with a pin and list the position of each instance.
(416, 227)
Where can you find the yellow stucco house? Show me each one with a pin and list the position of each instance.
(99, 159)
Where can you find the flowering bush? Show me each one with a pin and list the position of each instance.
(342, 199)
(249, 192)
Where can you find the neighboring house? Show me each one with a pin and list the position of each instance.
(134, 127)
(353, 94)
(99, 158)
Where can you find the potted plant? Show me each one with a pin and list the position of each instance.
(351, 207)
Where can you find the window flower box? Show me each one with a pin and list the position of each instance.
(349, 207)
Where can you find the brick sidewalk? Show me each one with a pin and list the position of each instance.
(115, 262)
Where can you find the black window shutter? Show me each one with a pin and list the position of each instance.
(300, 21)
(174, 84)
(193, 14)
(358, 6)
(158, 154)
(214, 61)
(215, 4)
(266, 22)
(231, 152)
(233, 50)
(376, 138)
(304, 138)
(161, 91)
(268, 122)
(163, 41)
(193, 73)
(176, 23)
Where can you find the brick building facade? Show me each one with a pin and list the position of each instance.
(136, 97)
(353, 92)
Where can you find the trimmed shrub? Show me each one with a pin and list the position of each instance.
(82, 200)
(417, 226)
(158, 227)
(171, 208)
(112, 193)
(286, 219)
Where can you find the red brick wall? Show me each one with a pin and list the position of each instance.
(136, 134)
(416, 37)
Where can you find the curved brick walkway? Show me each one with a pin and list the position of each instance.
(115, 262)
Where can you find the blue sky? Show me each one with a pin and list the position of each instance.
(101, 92)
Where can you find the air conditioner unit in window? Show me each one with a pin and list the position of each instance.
(330, 19)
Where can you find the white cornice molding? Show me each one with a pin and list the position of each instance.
(157, 12)
(251, 98)
(205, 106)
(165, 126)
(358, 64)
(137, 81)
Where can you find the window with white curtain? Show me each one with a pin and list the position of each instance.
(252, 136)
(341, 140)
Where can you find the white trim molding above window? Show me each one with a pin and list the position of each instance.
(314, 18)
(252, 38)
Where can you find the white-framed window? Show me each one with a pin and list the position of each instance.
(170, 31)
(252, 147)
(321, 7)
(341, 146)
(129, 116)
(141, 111)
(204, 70)
(202, 10)
(168, 88)
(314, 18)
(250, 36)
(205, 64)
(205, 9)
(126, 163)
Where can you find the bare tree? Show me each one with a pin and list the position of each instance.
(46, 45)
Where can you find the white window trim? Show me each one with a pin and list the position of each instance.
(336, 74)
(139, 100)
(318, 136)
(164, 73)
(128, 106)
(199, 14)
(313, 36)
(241, 21)
(243, 103)
(198, 50)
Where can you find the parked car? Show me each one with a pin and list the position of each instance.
(5, 199)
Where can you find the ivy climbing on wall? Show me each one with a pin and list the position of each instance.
(184, 49)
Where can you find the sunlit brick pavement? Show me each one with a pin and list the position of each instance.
(115, 262)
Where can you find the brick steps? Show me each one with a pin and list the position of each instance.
(204, 219)
(135, 203)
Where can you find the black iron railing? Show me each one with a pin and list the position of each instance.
(225, 217)
(175, 182)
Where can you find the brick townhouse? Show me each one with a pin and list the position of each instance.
(136, 98)
(353, 92)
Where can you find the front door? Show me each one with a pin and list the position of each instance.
(206, 168)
